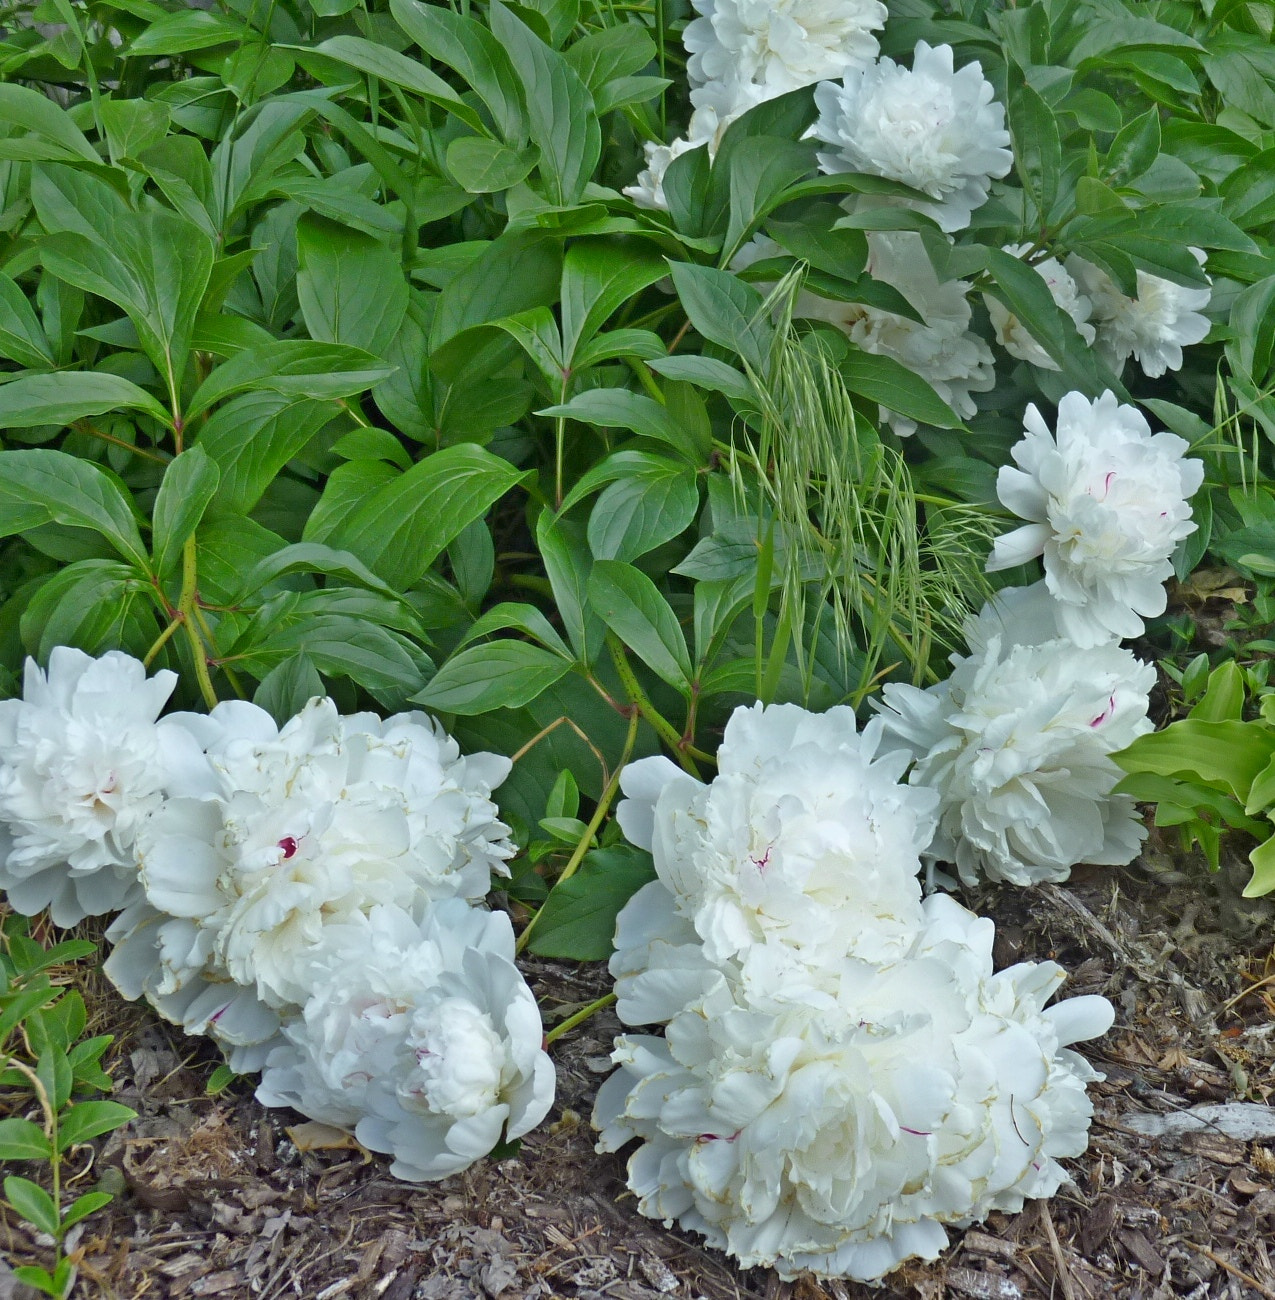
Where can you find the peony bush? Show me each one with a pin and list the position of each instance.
(655, 486)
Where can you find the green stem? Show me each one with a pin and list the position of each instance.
(162, 640)
(579, 1018)
(186, 609)
(586, 840)
(666, 731)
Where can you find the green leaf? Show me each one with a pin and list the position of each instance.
(526, 618)
(1229, 752)
(20, 1139)
(631, 605)
(599, 277)
(89, 1119)
(284, 691)
(482, 166)
(724, 310)
(1037, 146)
(887, 381)
(499, 675)
(642, 511)
(609, 54)
(188, 29)
(36, 114)
(313, 557)
(83, 1206)
(568, 564)
(617, 408)
(464, 44)
(33, 1203)
(1135, 148)
(577, 920)
(252, 437)
(401, 528)
(21, 338)
(293, 367)
(560, 111)
(351, 286)
(71, 395)
(761, 169)
(188, 487)
(44, 486)
(386, 64)
(1223, 701)
(706, 372)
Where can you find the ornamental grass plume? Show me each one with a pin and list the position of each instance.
(83, 764)
(932, 127)
(828, 1106)
(1106, 502)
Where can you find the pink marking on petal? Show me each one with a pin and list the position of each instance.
(1106, 713)
(289, 847)
(916, 1132)
(764, 861)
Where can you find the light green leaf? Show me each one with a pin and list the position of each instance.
(637, 513)
(33, 1203)
(20, 1139)
(89, 1119)
(482, 166)
(617, 408)
(188, 29)
(598, 277)
(724, 310)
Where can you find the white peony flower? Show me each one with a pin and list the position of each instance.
(83, 763)
(1154, 327)
(804, 837)
(420, 1037)
(716, 106)
(1014, 337)
(1017, 743)
(781, 44)
(933, 128)
(1106, 502)
(1018, 615)
(836, 1124)
(944, 351)
(278, 833)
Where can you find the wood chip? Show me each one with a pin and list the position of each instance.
(1141, 1251)
(981, 1286)
(981, 1243)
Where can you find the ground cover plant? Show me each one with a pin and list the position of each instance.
(690, 469)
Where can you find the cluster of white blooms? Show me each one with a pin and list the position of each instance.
(842, 1074)
(1018, 741)
(305, 895)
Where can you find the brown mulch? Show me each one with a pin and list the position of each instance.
(216, 1200)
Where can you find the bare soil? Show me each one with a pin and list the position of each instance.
(215, 1199)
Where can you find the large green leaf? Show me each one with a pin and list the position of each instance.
(887, 381)
(561, 115)
(293, 367)
(38, 118)
(44, 486)
(641, 511)
(599, 277)
(189, 485)
(724, 310)
(577, 921)
(499, 675)
(351, 287)
(617, 408)
(72, 395)
(632, 607)
(402, 527)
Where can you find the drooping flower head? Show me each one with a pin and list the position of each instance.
(1017, 743)
(82, 766)
(781, 44)
(1153, 327)
(277, 833)
(419, 1036)
(1014, 337)
(804, 837)
(837, 1123)
(930, 127)
(1106, 502)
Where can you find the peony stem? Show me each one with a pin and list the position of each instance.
(600, 812)
(666, 731)
(162, 640)
(186, 609)
(579, 1018)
